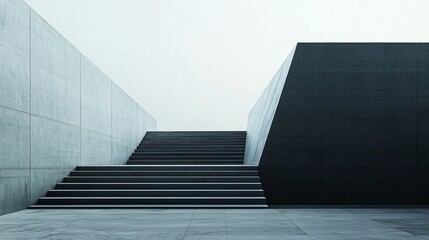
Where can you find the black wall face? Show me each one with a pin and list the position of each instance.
(351, 127)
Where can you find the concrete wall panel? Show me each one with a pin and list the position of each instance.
(56, 110)
(120, 151)
(15, 139)
(14, 189)
(15, 25)
(120, 113)
(14, 159)
(14, 80)
(54, 144)
(43, 180)
(95, 148)
(96, 91)
(55, 74)
(15, 55)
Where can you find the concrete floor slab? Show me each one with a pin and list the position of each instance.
(269, 224)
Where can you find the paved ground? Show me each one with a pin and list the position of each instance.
(330, 224)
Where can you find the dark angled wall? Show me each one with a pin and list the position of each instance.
(351, 126)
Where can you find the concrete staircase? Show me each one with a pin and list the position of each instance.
(167, 170)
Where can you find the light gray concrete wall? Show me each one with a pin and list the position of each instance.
(57, 110)
(262, 114)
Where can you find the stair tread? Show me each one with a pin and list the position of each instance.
(157, 165)
(167, 183)
(238, 198)
(160, 190)
(165, 171)
(153, 206)
(161, 176)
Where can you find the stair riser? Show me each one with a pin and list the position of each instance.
(147, 206)
(194, 147)
(188, 149)
(195, 133)
(206, 142)
(191, 143)
(196, 142)
(206, 162)
(207, 138)
(241, 186)
(215, 140)
(187, 161)
(172, 173)
(161, 179)
(184, 158)
(180, 151)
(187, 154)
(150, 201)
(167, 168)
(194, 193)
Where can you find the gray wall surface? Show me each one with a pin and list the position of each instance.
(57, 110)
(351, 127)
(262, 114)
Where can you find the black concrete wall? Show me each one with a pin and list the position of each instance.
(351, 127)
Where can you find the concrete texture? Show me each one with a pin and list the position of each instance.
(96, 91)
(350, 126)
(55, 74)
(266, 224)
(15, 55)
(95, 148)
(56, 109)
(262, 115)
(14, 159)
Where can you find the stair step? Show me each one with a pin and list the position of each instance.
(188, 161)
(179, 162)
(189, 153)
(164, 173)
(151, 200)
(194, 139)
(175, 150)
(182, 162)
(191, 146)
(198, 142)
(155, 185)
(166, 167)
(188, 149)
(184, 169)
(219, 157)
(156, 193)
(194, 133)
(149, 206)
(137, 179)
(189, 137)
(240, 145)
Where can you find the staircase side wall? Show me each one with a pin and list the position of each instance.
(262, 114)
(57, 110)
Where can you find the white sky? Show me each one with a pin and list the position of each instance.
(202, 64)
